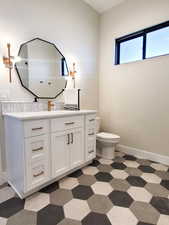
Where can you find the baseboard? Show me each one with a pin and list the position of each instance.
(144, 154)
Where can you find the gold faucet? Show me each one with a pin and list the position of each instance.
(50, 105)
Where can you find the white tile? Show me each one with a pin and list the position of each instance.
(119, 174)
(90, 170)
(151, 178)
(102, 188)
(132, 164)
(6, 193)
(68, 183)
(163, 220)
(159, 167)
(3, 221)
(105, 161)
(76, 209)
(37, 201)
(139, 194)
(121, 216)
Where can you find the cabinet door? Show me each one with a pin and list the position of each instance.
(60, 153)
(77, 147)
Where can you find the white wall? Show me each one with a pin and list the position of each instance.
(71, 24)
(134, 97)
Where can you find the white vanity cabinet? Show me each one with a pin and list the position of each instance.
(42, 147)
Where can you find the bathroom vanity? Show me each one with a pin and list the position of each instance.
(43, 147)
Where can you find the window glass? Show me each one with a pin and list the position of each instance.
(131, 50)
(158, 42)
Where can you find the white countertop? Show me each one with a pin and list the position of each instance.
(46, 114)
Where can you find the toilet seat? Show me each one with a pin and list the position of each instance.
(107, 137)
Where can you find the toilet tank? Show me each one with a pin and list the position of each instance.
(98, 123)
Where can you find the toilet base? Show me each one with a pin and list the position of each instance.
(106, 151)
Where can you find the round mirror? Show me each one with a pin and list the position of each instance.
(42, 68)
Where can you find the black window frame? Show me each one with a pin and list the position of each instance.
(142, 33)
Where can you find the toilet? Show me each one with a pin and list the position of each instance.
(105, 142)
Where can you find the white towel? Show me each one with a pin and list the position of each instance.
(71, 96)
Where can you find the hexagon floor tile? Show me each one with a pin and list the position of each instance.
(37, 201)
(123, 191)
(122, 216)
(96, 219)
(139, 194)
(60, 197)
(100, 204)
(102, 188)
(76, 209)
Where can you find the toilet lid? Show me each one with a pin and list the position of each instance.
(107, 135)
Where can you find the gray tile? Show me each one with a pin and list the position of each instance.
(157, 190)
(145, 212)
(163, 175)
(60, 197)
(133, 171)
(87, 180)
(105, 168)
(24, 217)
(100, 204)
(120, 185)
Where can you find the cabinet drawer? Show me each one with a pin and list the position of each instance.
(36, 127)
(62, 124)
(91, 148)
(37, 147)
(37, 173)
(91, 121)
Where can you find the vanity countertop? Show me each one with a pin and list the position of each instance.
(46, 114)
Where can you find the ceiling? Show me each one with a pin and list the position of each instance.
(103, 5)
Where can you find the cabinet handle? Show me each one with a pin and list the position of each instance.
(91, 151)
(37, 149)
(37, 128)
(38, 174)
(71, 123)
(68, 135)
(91, 120)
(71, 138)
(91, 134)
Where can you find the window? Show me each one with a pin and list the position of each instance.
(148, 43)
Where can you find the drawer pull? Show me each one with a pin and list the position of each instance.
(71, 138)
(91, 151)
(91, 134)
(37, 128)
(37, 149)
(68, 136)
(91, 120)
(38, 174)
(71, 123)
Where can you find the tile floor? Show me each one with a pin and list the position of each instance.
(125, 191)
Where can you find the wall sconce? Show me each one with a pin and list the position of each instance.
(8, 62)
(73, 72)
